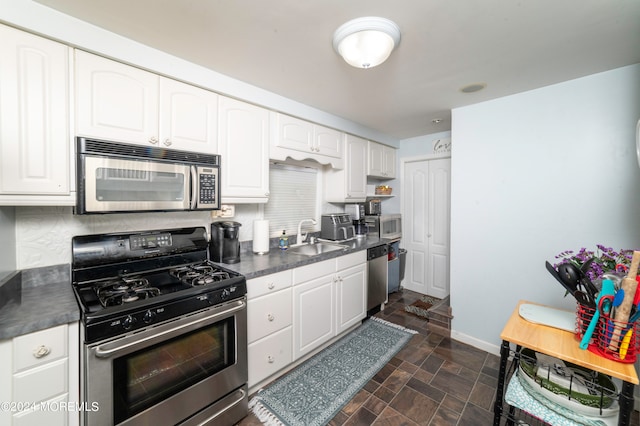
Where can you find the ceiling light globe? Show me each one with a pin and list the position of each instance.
(366, 42)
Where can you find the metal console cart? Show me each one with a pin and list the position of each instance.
(563, 345)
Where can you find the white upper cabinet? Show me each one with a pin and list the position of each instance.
(244, 148)
(35, 144)
(350, 183)
(382, 161)
(188, 117)
(122, 103)
(302, 140)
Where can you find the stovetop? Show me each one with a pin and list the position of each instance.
(127, 281)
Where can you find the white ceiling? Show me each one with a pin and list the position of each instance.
(285, 46)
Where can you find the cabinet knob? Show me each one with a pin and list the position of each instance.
(167, 142)
(271, 359)
(153, 140)
(271, 286)
(41, 351)
(270, 317)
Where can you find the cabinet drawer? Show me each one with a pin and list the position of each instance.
(268, 314)
(52, 416)
(39, 347)
(269, 355)
(313, 271)
(352, 259)
(268, 284)
(41, 383)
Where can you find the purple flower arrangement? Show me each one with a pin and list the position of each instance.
(605, 260)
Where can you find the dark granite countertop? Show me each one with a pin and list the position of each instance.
(37, 299)
(40, 298)
(254, 265)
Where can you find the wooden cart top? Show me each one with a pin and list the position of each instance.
(562, 344)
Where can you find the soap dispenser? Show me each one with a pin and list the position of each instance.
(284, 241)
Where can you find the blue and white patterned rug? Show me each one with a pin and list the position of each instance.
(315, 391)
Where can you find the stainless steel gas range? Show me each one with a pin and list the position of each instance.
(163, 333)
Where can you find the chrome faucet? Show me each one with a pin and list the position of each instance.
(301, 237)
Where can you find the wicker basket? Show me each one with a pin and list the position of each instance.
(383, 190)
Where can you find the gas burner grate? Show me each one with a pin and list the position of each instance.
(201, 274)
(125, 290)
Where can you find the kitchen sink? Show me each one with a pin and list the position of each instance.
(316, 249)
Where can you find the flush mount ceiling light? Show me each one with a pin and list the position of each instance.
(366, 42)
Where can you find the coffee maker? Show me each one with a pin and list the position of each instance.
(356, 212)
(225, 243)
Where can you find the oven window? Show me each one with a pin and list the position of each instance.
(114, 184)
(146, 377)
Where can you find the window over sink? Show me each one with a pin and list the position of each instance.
(294, 195)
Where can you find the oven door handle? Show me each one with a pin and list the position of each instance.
(106, 350)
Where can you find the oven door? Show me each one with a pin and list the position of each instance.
(194, 367)
(118, 185)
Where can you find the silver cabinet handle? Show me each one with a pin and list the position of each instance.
(270, 317)
(153, 140)
(271, 286)
(41, 351)
(271, 359)
(167, 142)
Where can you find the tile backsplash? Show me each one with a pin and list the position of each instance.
(43, 234)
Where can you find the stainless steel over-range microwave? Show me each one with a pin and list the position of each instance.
(115, 177)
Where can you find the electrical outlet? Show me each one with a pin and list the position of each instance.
(225, 211)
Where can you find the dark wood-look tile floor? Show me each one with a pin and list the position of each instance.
(434, 380)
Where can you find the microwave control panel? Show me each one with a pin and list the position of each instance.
(207, 186)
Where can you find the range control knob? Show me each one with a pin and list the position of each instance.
(225, 294)
(148, 317)
(128, 322)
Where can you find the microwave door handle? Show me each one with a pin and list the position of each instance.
(194, 187)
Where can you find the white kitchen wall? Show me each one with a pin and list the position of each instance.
(532, 175)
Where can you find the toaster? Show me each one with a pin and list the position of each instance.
(336, 227)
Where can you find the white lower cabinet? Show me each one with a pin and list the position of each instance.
(293, 313)
(269, 325)
(314, 313)
(40, 378)
(328, 298)
(351, 295)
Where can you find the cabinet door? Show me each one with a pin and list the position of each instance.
(188, 117)
(327, 141)
(389, 161)
(351, 297)
(243, 143)
(314, 315)
(375, 165)
(34, 115)
(294, 133)
(115, 101)
(356, 153)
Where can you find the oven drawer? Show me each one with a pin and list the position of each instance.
(39, 347)
(268, 284)
(269, 355)
(268, 314)
(42, 382)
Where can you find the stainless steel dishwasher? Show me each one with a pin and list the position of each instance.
(377, 272)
